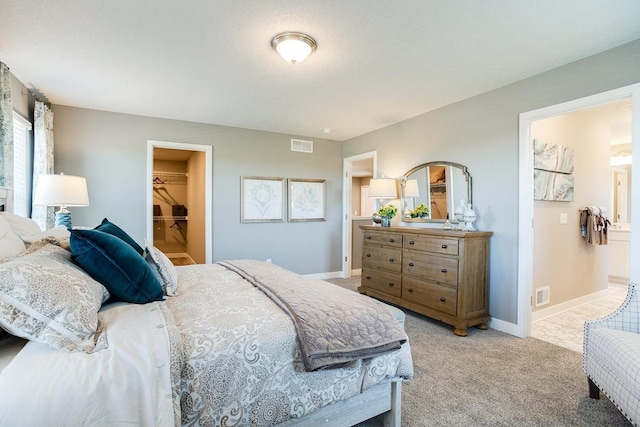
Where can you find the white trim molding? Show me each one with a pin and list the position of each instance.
(526, 220)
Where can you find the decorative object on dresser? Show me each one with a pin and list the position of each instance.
(439, 273)
(387, 212)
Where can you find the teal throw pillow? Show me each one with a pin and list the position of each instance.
(116, 265)
(108, 227)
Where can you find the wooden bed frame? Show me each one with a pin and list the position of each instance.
(379, 399)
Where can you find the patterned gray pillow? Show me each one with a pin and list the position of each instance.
(45, 297)
(163, 268)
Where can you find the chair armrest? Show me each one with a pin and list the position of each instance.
(625, 318)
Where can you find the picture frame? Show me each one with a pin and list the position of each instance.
(262, 199)
(307, 200)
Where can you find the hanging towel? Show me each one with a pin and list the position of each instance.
(594, 225)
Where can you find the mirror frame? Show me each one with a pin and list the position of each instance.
(467, 178)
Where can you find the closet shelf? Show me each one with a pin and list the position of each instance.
(170, 218)
(170, 174)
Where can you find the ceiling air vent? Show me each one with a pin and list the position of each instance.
(302, 146)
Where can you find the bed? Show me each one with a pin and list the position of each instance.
(225, 344)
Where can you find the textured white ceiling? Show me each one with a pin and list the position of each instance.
(378, 62)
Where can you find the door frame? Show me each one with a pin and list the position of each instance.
(347, 228)
(208, 203)
(525, 203)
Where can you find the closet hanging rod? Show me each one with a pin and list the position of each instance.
(170, 218)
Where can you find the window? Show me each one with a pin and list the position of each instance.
(21, 166)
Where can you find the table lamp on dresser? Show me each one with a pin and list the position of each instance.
(64, 191)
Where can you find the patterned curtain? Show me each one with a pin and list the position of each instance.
(42, 160)
(6, 128)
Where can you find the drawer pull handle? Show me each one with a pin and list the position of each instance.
(390, 259)
(410, 289)
(390, 284)
(410, 264)
(444, 270)
(444, 246)
(442, 299)
(411, 242)
(368, 237)
(368, 277)
(391, 240)
(368, 255)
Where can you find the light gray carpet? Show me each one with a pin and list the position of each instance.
(490, 378)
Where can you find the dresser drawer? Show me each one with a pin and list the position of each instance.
(387, 239)
(382, 257)
(383, 281)
(431, 267)
(431, 244)
(441, 298)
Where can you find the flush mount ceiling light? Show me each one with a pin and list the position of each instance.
(293, 47)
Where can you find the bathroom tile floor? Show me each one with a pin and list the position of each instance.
(566, 329)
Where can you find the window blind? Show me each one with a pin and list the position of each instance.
(21, 159)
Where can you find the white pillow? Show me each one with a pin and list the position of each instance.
(20, 225)
(163, 269)
(59, 232)
(10, 243)
(45, 297)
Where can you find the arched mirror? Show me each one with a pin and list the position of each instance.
(438, 186)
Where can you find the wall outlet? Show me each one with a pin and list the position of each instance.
(269, 260)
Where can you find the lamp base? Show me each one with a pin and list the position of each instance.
(63, 218)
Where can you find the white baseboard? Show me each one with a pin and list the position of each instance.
(356, 272)
(322, 276)
(564, 306)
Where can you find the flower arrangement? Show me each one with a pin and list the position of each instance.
(388, 211)
(420, 211)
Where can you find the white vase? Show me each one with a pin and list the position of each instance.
(458, 214)
(469, 218)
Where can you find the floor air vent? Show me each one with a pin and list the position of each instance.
(542, 296)
(302, 146)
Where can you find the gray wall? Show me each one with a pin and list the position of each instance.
(110, 150)
(482, 133)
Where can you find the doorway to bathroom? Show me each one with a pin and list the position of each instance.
(532, 222)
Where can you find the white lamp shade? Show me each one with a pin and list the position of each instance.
(61, 190)
(382, 188)
(411, 188)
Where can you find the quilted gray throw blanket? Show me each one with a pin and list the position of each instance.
(334, 325)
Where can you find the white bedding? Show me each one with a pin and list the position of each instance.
(133, 369)
(220, 353)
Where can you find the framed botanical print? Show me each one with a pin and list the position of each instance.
(262, 199)
(307, 200)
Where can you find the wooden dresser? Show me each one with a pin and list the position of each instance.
(441, 274)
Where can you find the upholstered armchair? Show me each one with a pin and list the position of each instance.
(611, 356)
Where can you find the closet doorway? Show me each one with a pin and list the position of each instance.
(179, 201)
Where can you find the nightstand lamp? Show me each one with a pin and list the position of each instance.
(64, 191)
